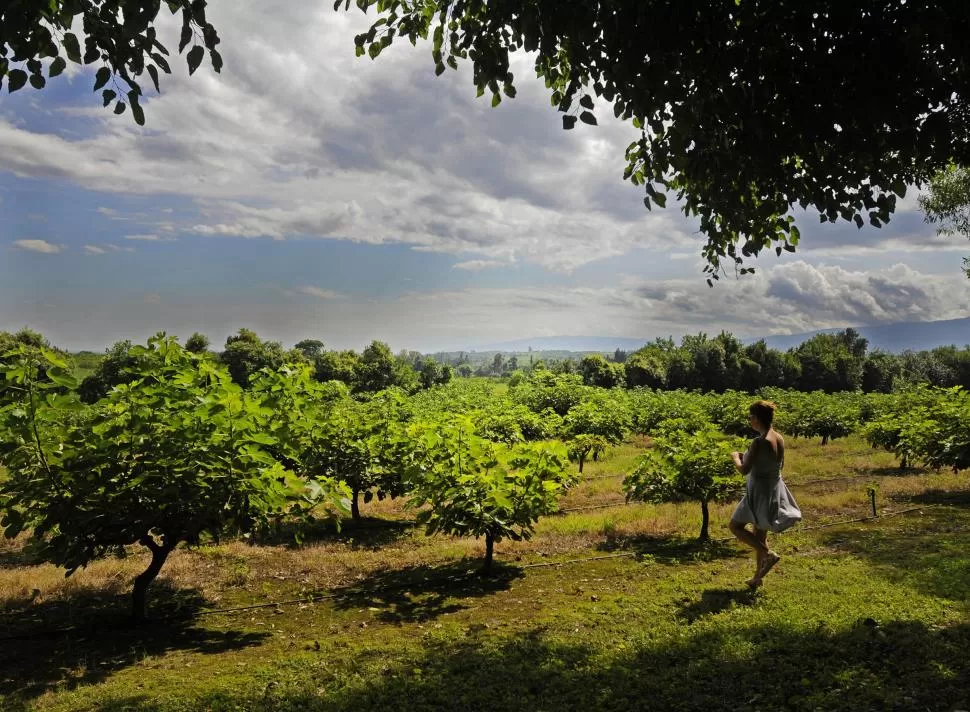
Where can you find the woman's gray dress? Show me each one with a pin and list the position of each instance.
(767, 502)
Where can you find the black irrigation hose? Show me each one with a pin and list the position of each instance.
(350, 593)
(570, 510)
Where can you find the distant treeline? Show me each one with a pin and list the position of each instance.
(825, 362)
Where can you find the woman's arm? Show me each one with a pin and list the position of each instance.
(743, 462)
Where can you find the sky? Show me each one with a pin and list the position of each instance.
(306, 193)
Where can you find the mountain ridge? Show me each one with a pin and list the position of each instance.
(894, 337)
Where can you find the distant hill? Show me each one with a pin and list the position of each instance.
(567, 343)
(896, 338)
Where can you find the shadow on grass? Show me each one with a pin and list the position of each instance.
(422, 593)
(865, 667)
(671, 550)
(87, 637)
(947, 498)
(929, 552)
(370, 532)
(716, 600)
(16, 555)
(895, 471)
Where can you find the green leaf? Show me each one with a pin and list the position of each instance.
(62, 379)
(194, 58)
(153, 73)
(587, 118)
(57, 66)
(216, 60)
(186, 36)
(101, 78)
(72, 47)
(136, 111)
(586, 102)
(161, 62)
(37, 81)
(568, 122)
(91, 51)
(496, 100)
(108, 95)
(16, 79)
(120, 107)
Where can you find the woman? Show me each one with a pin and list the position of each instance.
(767, 504)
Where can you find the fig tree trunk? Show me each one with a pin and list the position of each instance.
(355, 505)
(139, 593)
(489, 549)
(705, 520)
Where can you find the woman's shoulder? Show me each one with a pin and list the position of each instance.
(777, 441)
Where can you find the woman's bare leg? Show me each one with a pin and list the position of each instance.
(757, 541)
(752, 540)
(762, 536)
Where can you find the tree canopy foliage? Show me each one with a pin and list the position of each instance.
(947, 204)
(746, 109)
(178, 452)
(117, 35)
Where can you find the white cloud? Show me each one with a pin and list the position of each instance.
(320, 293)
(338, 147)
(474, 265)
(149, 238)
(278, 223)
(38, 246)
(109, 212)
(94, 250)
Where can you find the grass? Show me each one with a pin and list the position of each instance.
(870, 615)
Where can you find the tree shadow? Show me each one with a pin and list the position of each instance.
(671, 550)
(422, 593)
(894, 471)
(88, 636)
(716, 600)
(947, 498)
(14, 556)
(869, 666)
(932, 555)
(370, 532)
